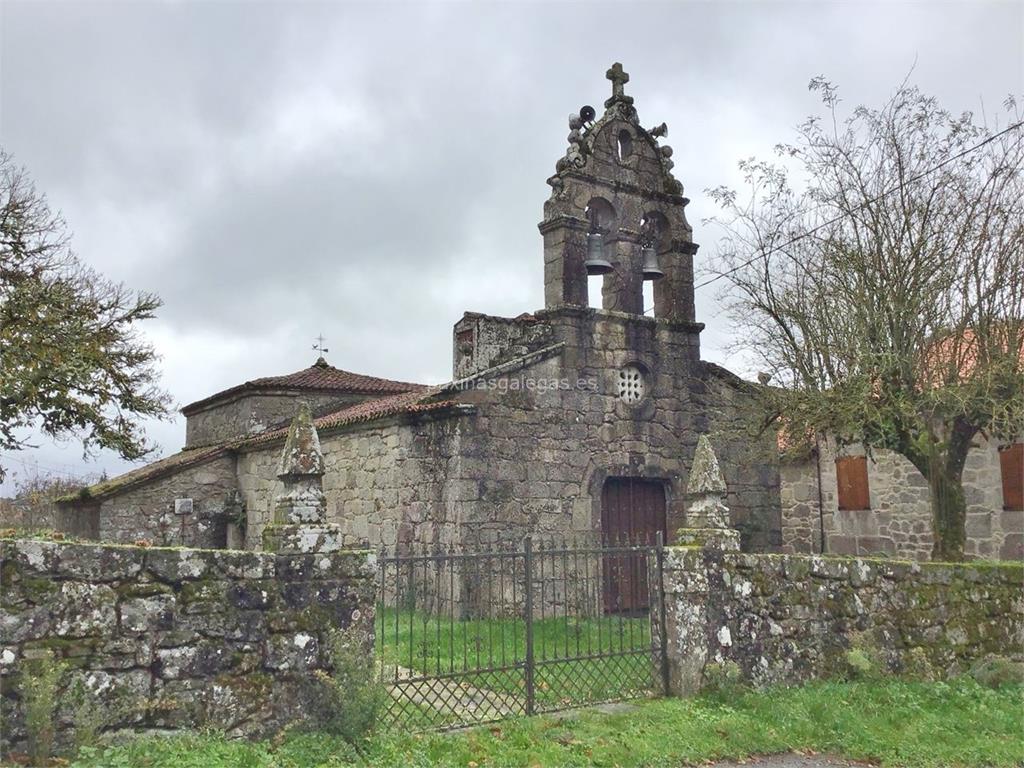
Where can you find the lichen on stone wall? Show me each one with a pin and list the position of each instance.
(787, 618)
(175, 638)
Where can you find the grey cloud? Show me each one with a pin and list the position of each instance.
(371, 170)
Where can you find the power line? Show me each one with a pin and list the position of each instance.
(866, 203)
(70, 471)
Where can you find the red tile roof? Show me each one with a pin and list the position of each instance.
(319, 377)
(418, 401)
(403, 403)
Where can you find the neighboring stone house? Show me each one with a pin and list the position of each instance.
(569, 420)
(880, 503)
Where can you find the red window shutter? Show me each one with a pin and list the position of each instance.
(1011, 466)
(852, 482)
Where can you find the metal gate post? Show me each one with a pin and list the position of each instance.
(662, 629)
(528, 568)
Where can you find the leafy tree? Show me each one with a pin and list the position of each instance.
(876, 271)
(71, 360)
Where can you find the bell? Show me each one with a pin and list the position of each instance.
(596, 263)
(651, 270)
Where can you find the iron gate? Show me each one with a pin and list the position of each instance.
(473, 635)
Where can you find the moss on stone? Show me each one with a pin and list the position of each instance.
(39, 590)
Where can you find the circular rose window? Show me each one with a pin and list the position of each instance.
(631, 384)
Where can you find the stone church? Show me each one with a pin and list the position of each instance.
(568, 420)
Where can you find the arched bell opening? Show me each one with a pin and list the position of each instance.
(655, 240)
(601, 220)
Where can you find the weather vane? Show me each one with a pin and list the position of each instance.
(319, 346)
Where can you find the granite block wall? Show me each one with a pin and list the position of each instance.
(156, 638)
(253, 413)
(148, 512)
(899, 522)
(535, 458)
(386, 484)
(534, 452)
(791, 618)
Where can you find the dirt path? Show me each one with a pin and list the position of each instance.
(462, 700)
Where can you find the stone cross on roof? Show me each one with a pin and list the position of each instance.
(619, 78)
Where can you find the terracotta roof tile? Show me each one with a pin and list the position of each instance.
(417, 398)
(319, 377)
(418, 401)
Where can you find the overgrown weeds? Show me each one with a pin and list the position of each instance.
(40, 684)
(349, 700)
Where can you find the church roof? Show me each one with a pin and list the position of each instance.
(420, 399)
(319, 377)
(168, 465)
(416, 402)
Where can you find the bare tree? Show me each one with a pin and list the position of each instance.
(885, 294)
(71, 360)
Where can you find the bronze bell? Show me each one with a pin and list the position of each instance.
(596, 263)
(651, 269)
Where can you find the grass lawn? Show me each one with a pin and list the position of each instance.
(892, 723)
(617, 661)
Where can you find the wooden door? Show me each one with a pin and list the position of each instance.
(632, 513)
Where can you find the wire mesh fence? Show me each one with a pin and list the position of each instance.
(474, 635)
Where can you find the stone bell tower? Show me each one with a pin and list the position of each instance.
(616, 210)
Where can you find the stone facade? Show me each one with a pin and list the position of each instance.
(49, 515)
(536, 460)
(898, 522)
(255, 413)
(529, 455)
(790, 618)
(159, 638)
(192, 507)
(384, 483)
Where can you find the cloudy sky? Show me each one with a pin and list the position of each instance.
(369, 171)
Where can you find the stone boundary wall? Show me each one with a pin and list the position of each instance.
(157, 638)
(791, 618)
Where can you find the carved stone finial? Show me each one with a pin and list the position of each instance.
(705, 474)
(301, 456)
(301, 468)
(300, 511)
(707, 517)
